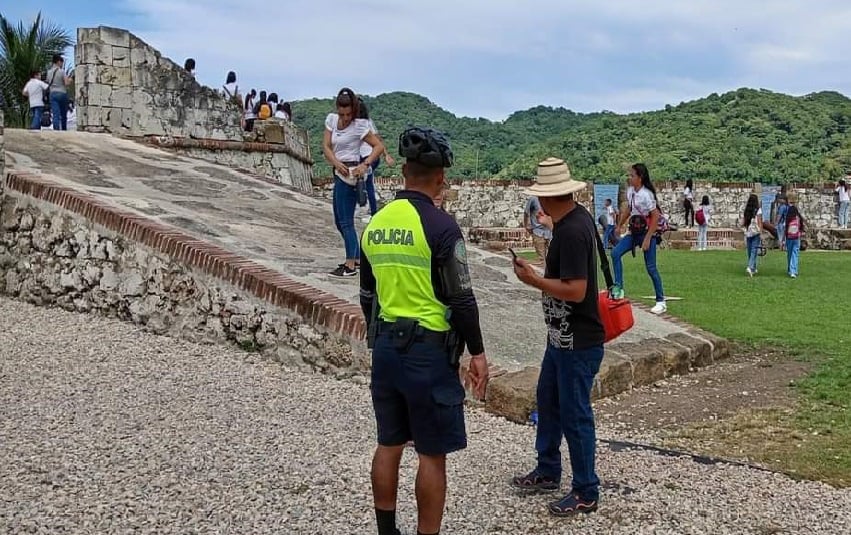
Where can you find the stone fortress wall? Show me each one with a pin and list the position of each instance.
(500, 203)
(127, 88)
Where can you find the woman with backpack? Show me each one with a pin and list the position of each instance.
(752, 223)
(263, 110)
(688, 202)
(341, 145)
(701, 217)
(644, 218)
(794, 231)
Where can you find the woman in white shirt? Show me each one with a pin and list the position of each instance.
(844, 197)
(688, 202)
(341, 145)
(249, 116)
(752, 223)
(643, 215)
(230, 87)
(703, 228)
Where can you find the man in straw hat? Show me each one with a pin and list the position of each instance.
(574, 343)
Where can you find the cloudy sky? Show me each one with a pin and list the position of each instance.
(488, 58)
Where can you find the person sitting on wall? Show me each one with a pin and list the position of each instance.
(189, 65)
(230, 87)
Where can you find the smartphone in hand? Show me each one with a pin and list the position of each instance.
(513, 254)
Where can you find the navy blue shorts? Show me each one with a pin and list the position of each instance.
(417, 396)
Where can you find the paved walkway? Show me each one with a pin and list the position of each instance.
(273, 225)
(107, 429)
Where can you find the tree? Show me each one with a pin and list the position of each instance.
(24, 50)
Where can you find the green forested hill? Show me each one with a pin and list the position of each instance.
(745, 135)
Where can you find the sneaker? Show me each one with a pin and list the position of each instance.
(571, 505)
(344, 271)
(533, 481)
(749, 271)
(660, 308)
(617, 292)
(793, 275)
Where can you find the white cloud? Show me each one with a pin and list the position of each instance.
(474, 56)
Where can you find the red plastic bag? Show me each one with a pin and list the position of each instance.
(615, 314)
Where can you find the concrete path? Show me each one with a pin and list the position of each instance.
(274, 225)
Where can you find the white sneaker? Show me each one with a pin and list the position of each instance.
(749, 271)
(660, 308)
(366, 219)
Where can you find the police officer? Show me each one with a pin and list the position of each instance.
(421, 311)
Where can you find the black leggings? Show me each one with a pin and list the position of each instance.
(689, 211)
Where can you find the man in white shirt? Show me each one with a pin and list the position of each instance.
(610, 237)
(34, 89)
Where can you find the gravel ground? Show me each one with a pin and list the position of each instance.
(106, 429)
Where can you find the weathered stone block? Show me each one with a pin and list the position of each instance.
(115, 36)
(94, 54)
(615, 375)
(676, 359)
(513, 395)
(120, 56)
(121, 97)
(700, 351)
(114, 76)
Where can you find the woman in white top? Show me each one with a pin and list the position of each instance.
(230, 87)
(688, 202)
(703, 228)
(341, 146)
(249, 116)
(844, 197)
(752, 223)
(643, 216)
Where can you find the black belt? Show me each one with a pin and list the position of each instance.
(420, 334)
(350, 164)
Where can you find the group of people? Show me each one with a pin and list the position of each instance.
(262, 106)
(416, 295)
(48, 98)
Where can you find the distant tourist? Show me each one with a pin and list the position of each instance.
(288, 109)
(844, 197)
(780, 221)
(341, 145)
(610, 237)
(230, 87)
(262, 109)
(752, 223)
(281, 112)
(541, 235)
(58, 81)
(702, 217)
(688, 202)
(72, 116)
(36, 90)
(365, 151)
(644, 216)
(248, 114)
(273, 102)
(189, 66)
(794, 232)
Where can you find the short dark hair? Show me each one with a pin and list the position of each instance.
(609, 201)
(231, 78)
(418, 172)
(189, 65)
(57, 58)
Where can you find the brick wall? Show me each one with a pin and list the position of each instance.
(62, 247)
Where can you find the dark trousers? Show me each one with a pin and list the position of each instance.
(564, 409)
(689, 207)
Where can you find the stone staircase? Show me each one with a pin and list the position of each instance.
(716, 238)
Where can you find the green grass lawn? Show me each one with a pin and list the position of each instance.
(809, 317)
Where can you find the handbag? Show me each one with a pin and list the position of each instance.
(615, 314)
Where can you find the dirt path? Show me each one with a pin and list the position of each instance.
(749, 380)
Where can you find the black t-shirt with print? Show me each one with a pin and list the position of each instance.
(572, 255)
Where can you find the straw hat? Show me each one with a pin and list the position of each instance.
(554, 180)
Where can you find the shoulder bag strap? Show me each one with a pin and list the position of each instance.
(604, 259)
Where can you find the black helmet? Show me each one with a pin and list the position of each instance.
(425, 146)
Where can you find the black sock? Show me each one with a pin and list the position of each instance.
(386, 521)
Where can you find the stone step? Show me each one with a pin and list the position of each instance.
(625, 366)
